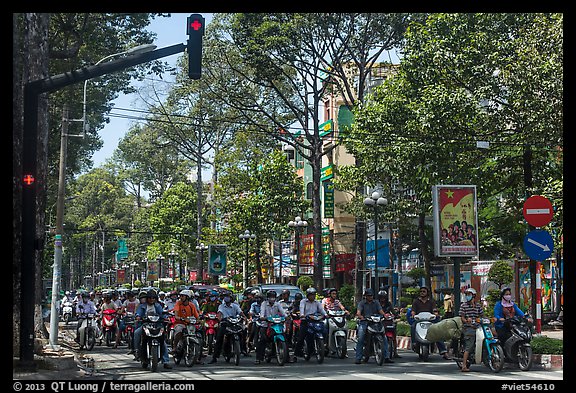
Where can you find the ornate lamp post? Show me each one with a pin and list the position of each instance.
(201, 248)
(376, 200)
(297, 225)
(246, 236)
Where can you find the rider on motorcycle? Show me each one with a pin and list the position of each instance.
(388, 308)
(424, 303)
(366, 307)
(503, 310)
(268, 308)
(183, 308)
(86, 306)
(254, 310)
(227, 309)
(171, 301)
(150, 304)
(108, 304)
(307, 307)
(212, 303)
(129, 306)
(332, 303)
(469, 312)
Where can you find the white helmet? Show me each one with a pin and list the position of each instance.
(186, 292)
(470, 290)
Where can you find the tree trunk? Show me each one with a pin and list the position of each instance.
(424, 248)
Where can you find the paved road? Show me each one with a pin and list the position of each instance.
(116, 364)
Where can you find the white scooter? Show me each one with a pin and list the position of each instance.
(420, 344)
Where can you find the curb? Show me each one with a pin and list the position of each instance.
(539, 361)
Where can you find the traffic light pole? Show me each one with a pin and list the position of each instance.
(30, 244)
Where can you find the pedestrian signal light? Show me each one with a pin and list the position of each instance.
(195, 31)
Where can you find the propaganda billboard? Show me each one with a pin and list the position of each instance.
(455, 220)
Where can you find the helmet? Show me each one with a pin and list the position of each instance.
(298, 296)
(129, 293)
(368, 292)
(311, 290)
(161, 293)
(270, 294)
(142, 294)
(107, 295)
(172, 293)
(256, 293)
(470, 290)
(84, 294)
(186, 292)
(285, 291)
(66, 293)
(213, 293)
(382, 294)
(196, 294)
(332, 290)
(151, 294)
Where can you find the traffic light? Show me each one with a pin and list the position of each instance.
(195, 31)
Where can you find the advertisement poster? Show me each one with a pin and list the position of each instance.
(455, 221)
(120, 276)
(217, 259)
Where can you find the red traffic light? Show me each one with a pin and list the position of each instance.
(29, 179)
(195, 24)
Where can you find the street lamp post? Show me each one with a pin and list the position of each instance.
(201, 247)
(375, 200)
(297, 224)
(160, 259)
(246, 236)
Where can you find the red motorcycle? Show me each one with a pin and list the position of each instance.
(389, 323)
(109, 326)
(128, 334)
(210, 328)
(295, 327)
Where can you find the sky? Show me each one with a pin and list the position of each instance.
(169, 31)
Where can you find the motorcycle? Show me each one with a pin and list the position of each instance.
(374, 339)
(152, 340)
(67, 312)
(314, 338)
(487, 349)
(210, 328)
(232, 337)
(190, 346)
(109, 326)
(169, 322)
(86, 331)
(128, 334)
(276, 345)
(420, 344)
(390, 332)
(517, 348)
(255, 325)
(337, 332)
(295, 327)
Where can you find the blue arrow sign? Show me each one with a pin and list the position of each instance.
(538, 244)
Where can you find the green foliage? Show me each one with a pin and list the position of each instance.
(412, 293)
(547, 345)
(305, 282)
(346, 296)
(138, 283)
(416, 273)
(403, 328)
(501, 273)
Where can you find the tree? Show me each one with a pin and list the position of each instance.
(466, 78)
(501, 273)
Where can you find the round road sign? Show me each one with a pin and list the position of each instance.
(538, 210)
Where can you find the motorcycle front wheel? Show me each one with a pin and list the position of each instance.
(90, 339)
(190, 354)
(377, 346)
(424, 352)
(154, 349)
(341, 349)
(524, 357)
(236, 348)
(281, 352)
(319, 343)
(495, 361)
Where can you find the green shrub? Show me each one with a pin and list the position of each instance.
(346, 296)
(304, 282)
(547, 345)
(403, 329)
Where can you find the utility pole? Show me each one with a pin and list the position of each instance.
(54, 314)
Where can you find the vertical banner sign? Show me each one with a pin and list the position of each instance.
(328, 199)
(152, 271)
(120, 276)
(122, 252)
(217, 259)
(455, 221)
(326, 271)
(307, 254)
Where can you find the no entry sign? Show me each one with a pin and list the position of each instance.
(538, 210)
